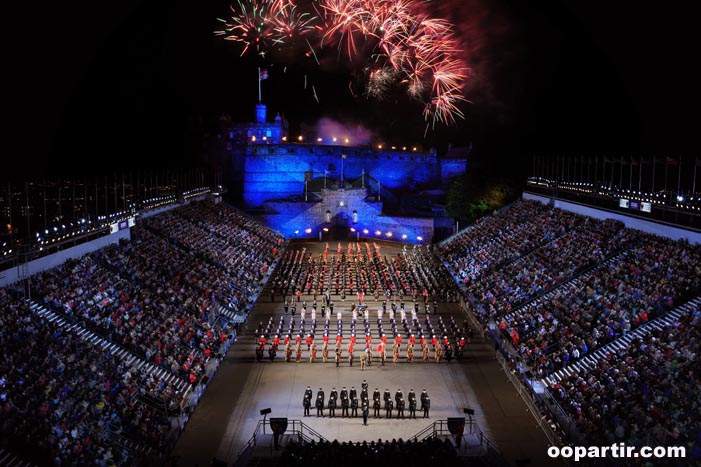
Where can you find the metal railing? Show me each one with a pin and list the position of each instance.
(526, 395)
(295, 428)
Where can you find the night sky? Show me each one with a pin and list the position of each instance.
(98, 87)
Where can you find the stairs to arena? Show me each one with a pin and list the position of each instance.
(129, 358)
(10, 459)
(590, 361)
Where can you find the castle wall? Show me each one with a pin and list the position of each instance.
(300, 219)
(276, 171)
(451, 168)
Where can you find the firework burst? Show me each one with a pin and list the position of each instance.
(405, 45)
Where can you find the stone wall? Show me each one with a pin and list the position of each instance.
(276, 171)
(344, 210)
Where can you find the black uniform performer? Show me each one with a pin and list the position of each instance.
(345, 403)
(307, 403)
(412, 403)
(425, 403)
(333, 397)
(354, 407)
(376, 402)
(400, 408)
(399, 395)
(366, 410)
(389, 405)
(320, 403)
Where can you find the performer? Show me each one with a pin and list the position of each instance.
(312, 353)
(298, 356)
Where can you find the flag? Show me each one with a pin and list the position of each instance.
(698, 162)
(263, 74)
(672, 161)
(634, 162)
(644, 161)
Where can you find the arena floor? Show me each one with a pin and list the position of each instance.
(228, 412)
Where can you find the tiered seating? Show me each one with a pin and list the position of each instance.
(643, 390)
(95, 368)
(607, 339)
(494, 240)
(63, 397)
(158, 316)
(639, 285)
(587, 243)
(223, 236)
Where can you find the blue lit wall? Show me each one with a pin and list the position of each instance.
(276, 171)
(307, 219)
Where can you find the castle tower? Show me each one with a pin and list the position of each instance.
(261, 112)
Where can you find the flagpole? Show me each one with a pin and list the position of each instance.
(679, 174)
(630, 174)
(666, 167)
(596, 169)
(696, 164)
(259, 96)
(640, 175)
(620, 174)
(654, 160)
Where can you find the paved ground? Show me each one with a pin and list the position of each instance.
(227, 414)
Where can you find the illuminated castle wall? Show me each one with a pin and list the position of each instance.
(344, 208)
(274, 171)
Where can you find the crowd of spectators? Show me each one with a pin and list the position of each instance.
(644, 394)
(224, 237)
(431, 451)
(63, 399)
(494, 240)
(159, 296)
(649, 279)
(633, 277)
(585, 284)
(587, 243)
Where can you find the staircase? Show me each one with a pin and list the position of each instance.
(9, 459)
(589, 362)
(130, 359)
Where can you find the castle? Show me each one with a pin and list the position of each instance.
(314, 185)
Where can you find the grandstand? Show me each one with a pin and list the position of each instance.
(143, 352)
